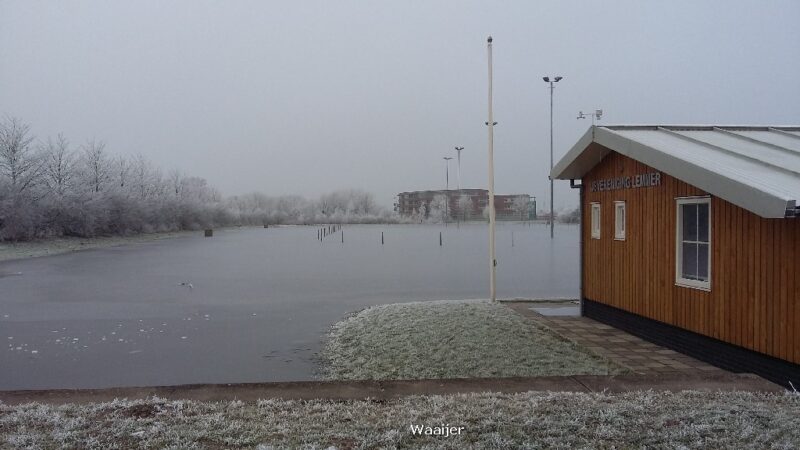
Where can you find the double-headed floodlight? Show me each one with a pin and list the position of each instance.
(447, 171)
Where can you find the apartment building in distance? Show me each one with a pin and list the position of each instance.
(463, 204)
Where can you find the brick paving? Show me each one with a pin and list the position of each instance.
(640, 356)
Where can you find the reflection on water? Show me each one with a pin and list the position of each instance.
(259, 302)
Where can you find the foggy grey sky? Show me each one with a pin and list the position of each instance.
(308, 97)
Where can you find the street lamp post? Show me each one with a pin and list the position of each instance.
(447, 187)
(458, 150)
(552, 88)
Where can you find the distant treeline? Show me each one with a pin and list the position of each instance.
(49, 187)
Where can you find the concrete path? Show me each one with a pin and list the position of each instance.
(384, 390)
(640, 356)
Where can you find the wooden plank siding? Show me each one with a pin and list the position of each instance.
(755, 285)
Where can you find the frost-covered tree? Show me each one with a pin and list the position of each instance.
(95, 164)
(197, 190)
(520, 206)
(571, 216)
(121, 168)
(363, 203)
(59, 191)
(20, 173)
(334, 203)
(346, 206)
(19, 164)
(59, 170)
(158, 185)
(175, 179)
(464, 204)
(422, 213)
(141, 170)
(437, 209)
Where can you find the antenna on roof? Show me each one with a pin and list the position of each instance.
(597, 114)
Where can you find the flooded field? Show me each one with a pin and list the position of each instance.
(249, 304)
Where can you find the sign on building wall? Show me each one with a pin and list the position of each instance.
(631, 182)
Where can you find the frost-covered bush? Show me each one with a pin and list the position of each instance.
(348, 206)
(55, 189)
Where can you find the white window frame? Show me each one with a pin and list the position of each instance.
(679, 280)
(595, 224)
(619, 225)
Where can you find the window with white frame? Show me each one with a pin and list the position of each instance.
(693, 249)
(595, 220)
(619, 221)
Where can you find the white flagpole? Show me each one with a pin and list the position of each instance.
(491, 124)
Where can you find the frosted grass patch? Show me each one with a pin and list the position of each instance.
(738, 420)
(451, 339)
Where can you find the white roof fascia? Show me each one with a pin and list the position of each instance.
(575, 164)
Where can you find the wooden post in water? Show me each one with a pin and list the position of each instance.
(342, 236)
(440, 239)
(512, 238)
(381, 237)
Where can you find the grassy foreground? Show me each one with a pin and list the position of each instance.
(534, 419)
(451, 339)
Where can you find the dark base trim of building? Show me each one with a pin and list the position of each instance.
(721, 354)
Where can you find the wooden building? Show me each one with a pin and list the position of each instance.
(689, 239)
